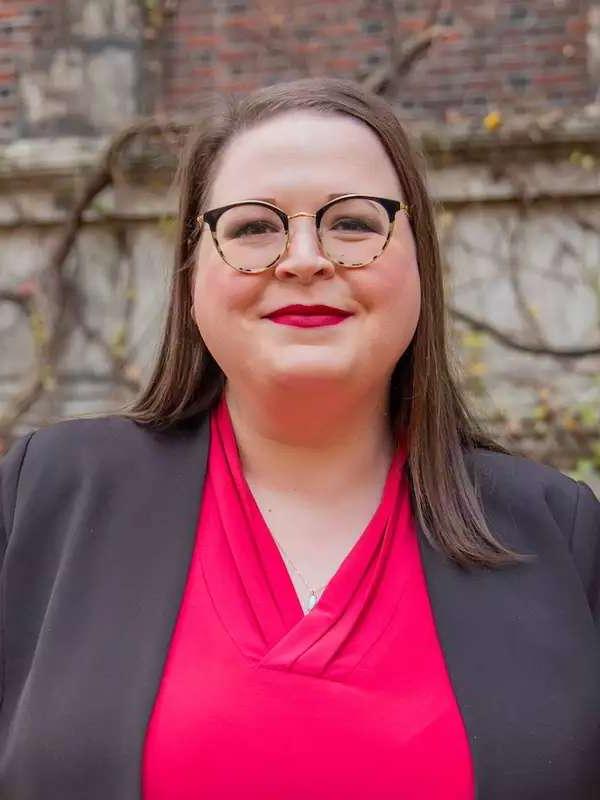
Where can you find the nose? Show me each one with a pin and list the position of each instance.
(303, 258)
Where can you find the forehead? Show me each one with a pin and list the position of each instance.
(302, 157)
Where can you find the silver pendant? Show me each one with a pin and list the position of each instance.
(312, 600)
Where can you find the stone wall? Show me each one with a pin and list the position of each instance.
(519, 232)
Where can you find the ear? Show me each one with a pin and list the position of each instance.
(193, 275)
(193, 313)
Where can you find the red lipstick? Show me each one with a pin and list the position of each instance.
(301, 316)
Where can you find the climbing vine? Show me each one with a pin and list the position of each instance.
(53, 306)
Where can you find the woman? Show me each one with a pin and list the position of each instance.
(296, 568)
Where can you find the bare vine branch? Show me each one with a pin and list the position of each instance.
(55, 332)
(508, 341)
(403, 52)
(14, 296)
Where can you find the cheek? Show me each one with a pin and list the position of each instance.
(392, 297)
(405, 289)
(393, 286)
(210, 286)
(222, 298)
(216, 286)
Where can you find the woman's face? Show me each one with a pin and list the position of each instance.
(298, 160)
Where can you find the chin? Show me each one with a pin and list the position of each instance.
(313, 372)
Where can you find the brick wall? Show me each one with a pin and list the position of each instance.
(26, 27)
(522, 54)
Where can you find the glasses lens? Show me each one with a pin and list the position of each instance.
(354, 231)
(251, 237)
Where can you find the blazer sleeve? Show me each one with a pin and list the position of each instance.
(585, 545)
(10, 471)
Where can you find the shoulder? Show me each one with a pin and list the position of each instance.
(513, 469)
(111, 441)
(526, 486)
(76, 436)
(68, 449)
(538, 498)
(523, 482)
(103, 452)
(72, 445)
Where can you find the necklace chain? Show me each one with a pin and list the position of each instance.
(314, 594)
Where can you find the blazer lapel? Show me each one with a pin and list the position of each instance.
(460, 623)
(522, 658)
(171, 494)
(116, 556)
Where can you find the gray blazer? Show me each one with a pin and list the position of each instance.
(97, 525)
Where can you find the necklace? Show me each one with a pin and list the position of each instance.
(313, 594)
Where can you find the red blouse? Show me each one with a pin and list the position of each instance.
(259, 700)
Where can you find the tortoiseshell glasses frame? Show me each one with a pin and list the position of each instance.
(391, 207)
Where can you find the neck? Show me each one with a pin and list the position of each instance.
(317, 446)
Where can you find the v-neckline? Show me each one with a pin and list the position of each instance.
(253, 592)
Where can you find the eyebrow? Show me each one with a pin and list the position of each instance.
(275, 203)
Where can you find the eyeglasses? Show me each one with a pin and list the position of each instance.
(353, 230)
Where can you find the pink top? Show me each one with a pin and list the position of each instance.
(262, 702)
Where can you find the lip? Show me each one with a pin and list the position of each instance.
(306, 321)
(309, 311)
(303, 316)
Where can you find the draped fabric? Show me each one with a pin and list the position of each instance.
(259, 700)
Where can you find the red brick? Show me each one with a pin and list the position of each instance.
(306, 48)
(556, 77)
(343, 63)
(240, 86)
(203, 40)
(578, 25)
(203, 72)
(412, 25)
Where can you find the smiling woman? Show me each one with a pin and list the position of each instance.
(301, 142)
(296, 158)
(296, 567)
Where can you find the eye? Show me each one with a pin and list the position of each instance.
(353, 225)
(254, 228)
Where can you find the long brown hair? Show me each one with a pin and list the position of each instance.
(425, 401)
